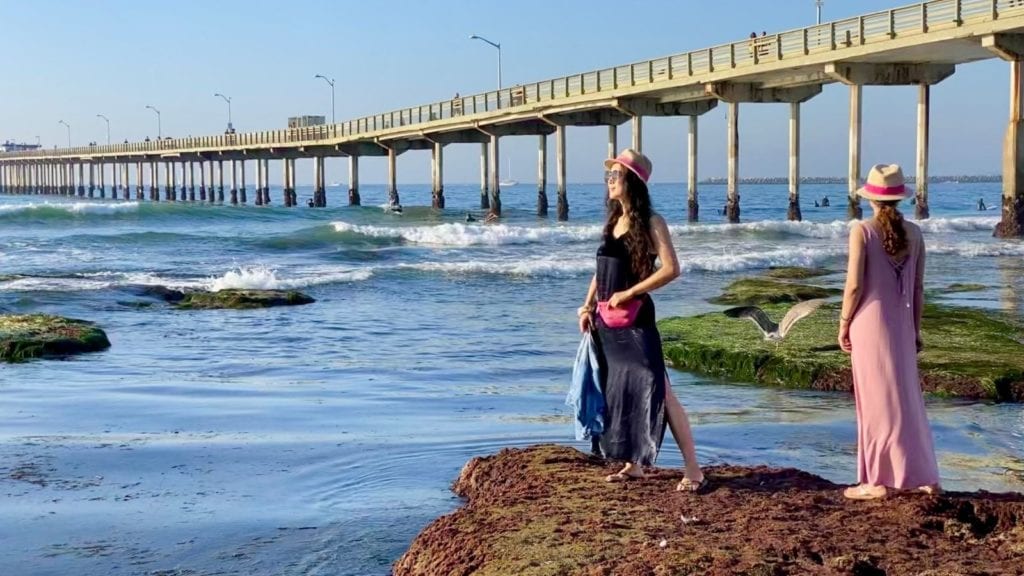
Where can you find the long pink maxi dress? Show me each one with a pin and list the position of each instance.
(894, 442)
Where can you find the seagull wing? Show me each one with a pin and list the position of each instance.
(755, 315)
(797, 312)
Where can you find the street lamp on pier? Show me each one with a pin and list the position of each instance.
(231, 129)
(818, 4)
(159, 129)
(107, 120)
(498, 47)
(331, 82)
(68, 126)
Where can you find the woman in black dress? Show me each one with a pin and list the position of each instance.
(637, 395)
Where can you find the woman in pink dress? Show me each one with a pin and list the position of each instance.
(880, 326)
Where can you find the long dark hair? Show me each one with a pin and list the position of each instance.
(894, 234)
(638, 240)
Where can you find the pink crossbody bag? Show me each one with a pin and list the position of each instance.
(622, 316)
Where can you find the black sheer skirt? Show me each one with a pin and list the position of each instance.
(632, 368)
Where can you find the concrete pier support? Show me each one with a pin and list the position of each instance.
(241, 190)
(184, 180)
(793, 213)
(259, 182)
(192, 180)
(319, 183)
(220, 181)
(613, 141)
(638, 133)
(140, 183)
(542, 176)
(266, 182)
(562, 200)
(125, 183)
(495, 168)
(732, 194)
(1012, 223)
(1011, 49)
(393, 199)
(353, 181)
(692, 199)
(921, 211)
(286, 195)
(172, 182)
(154, 184)
(485, 201)
(854, 210)
(202, 181)
(102, 180)
(234, 182)
(114, 177)
(289, 182)
(92, 179)
(437, 165)
(81, 180)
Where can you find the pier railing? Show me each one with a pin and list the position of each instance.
(749, 53)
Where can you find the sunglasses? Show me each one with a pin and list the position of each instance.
(612, 175)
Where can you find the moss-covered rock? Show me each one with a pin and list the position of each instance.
(26, 336)
(546, 511)
(968, 352)
(767, 291)
(242, 299)
(795, 272)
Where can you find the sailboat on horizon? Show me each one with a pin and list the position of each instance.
(508, 181)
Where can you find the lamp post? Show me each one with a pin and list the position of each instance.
(818, 4)
(159, 129)
(496, 45)
(331, 82)
(68, 126)
(227, 99)
(107, 120)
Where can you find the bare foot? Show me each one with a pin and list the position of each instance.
(865, 492)
(629, 472)
(931, 489)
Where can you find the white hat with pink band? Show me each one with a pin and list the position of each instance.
(885, 184)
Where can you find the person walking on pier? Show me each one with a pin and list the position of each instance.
(880, 327)
(638, 396)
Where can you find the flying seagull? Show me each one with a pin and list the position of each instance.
(772, 331)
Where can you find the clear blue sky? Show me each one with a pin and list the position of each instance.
(70, 60)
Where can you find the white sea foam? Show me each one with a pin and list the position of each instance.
(245, 277)
(733, 261)
(534, 267)
(971, 249)
(71, 207)
(461, 235)
(834, 229)
(265, 278)
(963, 224)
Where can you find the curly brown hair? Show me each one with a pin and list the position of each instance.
(638, 241)
(894, 234)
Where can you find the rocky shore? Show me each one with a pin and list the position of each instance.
(968, 352)
(26, 336)
(546, 510)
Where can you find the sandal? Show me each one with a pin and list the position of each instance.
(687, 485)
(865, 492)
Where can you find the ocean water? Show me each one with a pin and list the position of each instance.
(321, 439)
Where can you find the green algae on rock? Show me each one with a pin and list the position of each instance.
(242, 299)
(26, 336)
(795, 272)
(767, 291)
(546, 510)
(968, 352)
